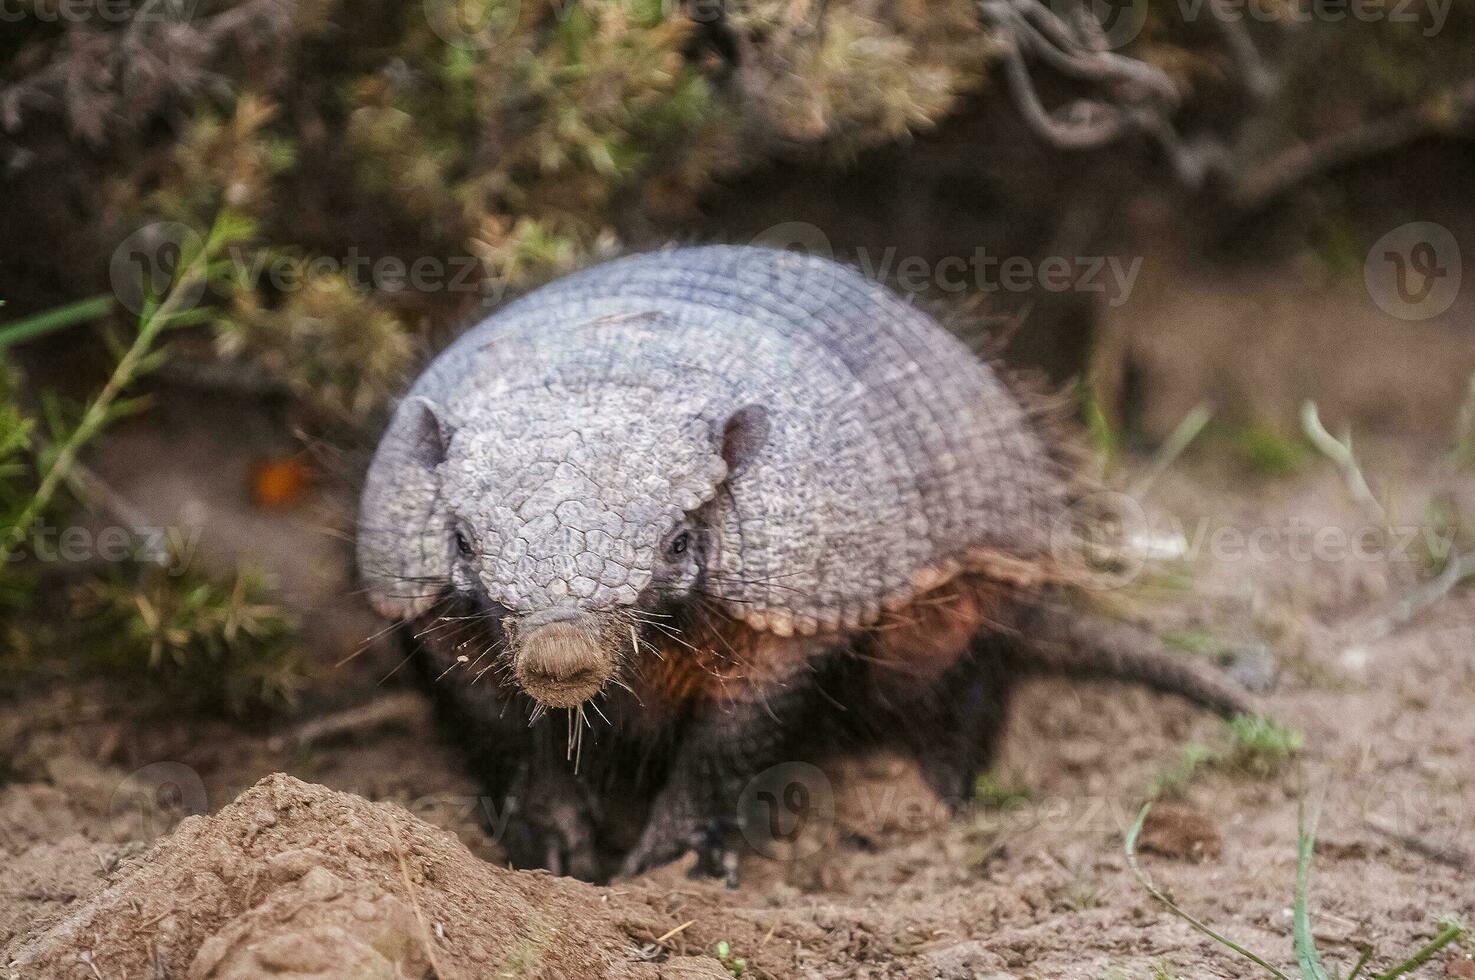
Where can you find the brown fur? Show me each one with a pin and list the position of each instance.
(927, 636)
(723, 660)
(718, 660)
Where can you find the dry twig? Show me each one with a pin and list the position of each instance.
(404, 708)
(1339, 451)
(425, 936)
(1417, 602)
(1448, 855)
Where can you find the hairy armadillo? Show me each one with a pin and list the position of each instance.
(744, 505)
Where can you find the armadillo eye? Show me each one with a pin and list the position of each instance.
(680, 543)
(463, 544)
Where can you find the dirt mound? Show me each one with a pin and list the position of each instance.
(294, 880)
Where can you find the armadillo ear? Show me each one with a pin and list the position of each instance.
(743, 437)
(426, 431)
(402, 533)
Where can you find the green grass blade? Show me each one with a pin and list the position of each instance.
(53, 320)
(1146, 882)
(1176, 445)
(1447, 935)
(1306, 955)
(1367, 954)
(1099, 432)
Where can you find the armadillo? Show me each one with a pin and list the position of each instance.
(745, 506)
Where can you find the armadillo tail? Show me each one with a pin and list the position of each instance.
(1075, 643)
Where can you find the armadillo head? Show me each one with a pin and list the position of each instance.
(571, 515)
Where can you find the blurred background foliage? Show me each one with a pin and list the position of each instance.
(495, 144)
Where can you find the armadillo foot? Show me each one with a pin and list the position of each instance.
(553, 831)
(714, 842)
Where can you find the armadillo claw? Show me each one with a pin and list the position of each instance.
(659, 845)
(713, 841)
(717, 855)
(558, 836)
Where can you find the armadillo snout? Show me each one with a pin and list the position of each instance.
(565, 662)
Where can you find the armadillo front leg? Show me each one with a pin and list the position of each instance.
(697, 809)
(551, 823)
(533, 805)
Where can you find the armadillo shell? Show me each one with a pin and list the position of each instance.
(893, 457)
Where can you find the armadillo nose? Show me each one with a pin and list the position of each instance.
(562, 662)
